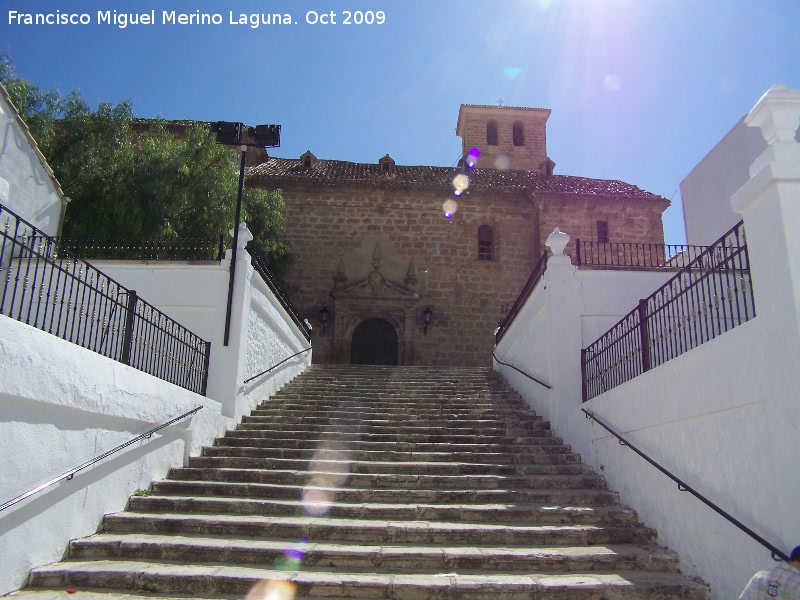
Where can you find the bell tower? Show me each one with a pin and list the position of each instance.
(508, 137)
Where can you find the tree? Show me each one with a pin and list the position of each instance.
(135, 178)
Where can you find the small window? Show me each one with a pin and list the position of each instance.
(485, 243)
(518, 132)
(602, 232)
(307, 162)
(491, 133)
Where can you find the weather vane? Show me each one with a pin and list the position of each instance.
(500, 102)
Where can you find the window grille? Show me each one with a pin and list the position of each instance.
(485, 243)
(602, 232)
(491, 133)
(518, 134)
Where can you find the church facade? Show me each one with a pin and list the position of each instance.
(392, 267)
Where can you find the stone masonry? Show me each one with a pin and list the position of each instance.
(373, 242)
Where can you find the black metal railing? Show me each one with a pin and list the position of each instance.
(683, 487)
(141, 249)
(708, 297)
(276, 365)
(527, 290)
(71, 473)
(634, 255)
(518, 370)
(260, 265)
(69, 298)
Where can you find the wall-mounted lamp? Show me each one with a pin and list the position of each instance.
(324, 315)
(426, 315)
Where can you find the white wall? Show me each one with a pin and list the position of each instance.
(27, 185)
(707, 189)
(196, 295)
(61, 405)
(725, 416)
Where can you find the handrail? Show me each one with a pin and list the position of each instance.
(683, 487)
(531, 377)
(275, 366)
(527, 290)
(71, 473)
(260, 265)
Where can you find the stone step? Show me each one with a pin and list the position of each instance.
(558, 456)
(547, 445)
(416, 496)
(374, 531)
(217, 581)
(396, 480)
(406, 413)
(492, 427)
(434, 437)
(319, 462)
(365, 557)
(614, 516)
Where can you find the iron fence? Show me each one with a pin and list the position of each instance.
(142, 249)
(709, 296)
(47, 287)
(527, 290)
(635, 256)
(260, 265)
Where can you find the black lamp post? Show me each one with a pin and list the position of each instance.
(324, 315)
(230, 134)
(426, 315)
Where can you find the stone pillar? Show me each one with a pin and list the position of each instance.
(770, 205)
(564, 305)
(226, 369)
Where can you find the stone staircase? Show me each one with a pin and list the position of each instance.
(377, 482)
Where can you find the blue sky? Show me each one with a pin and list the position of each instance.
(640, 90)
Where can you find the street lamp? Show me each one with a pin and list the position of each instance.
(231, 134)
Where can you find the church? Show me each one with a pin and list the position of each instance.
(417, 265)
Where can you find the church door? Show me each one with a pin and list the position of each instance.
(374, 343)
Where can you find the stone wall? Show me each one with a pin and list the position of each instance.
(339, 234)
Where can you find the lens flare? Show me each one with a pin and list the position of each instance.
(612, 82)
(512, 72)
(274, 589)
(461, 182)
(502, 162)
(449, 207)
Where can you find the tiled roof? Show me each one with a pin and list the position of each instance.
(284, 171)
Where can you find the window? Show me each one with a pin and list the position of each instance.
(518, 133)
(485, 243)
(491, 133)
(602, 232)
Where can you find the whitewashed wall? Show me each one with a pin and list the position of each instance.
(706, 191)
(61, 405)
(725, 416)
(27, 185)
(195, 295)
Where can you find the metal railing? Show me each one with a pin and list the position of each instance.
(527, 290)
(635, 255)
(69, 298)
(683, 487)
(708, 297)
(276, 365)
(260, 265)
(517, 369)
(71, 473)
(142, 249)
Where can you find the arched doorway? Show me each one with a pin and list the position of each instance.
(374, 343)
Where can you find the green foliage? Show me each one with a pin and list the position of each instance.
(138, 178)
(143, 493)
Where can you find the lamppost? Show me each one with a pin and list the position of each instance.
(231, 134)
